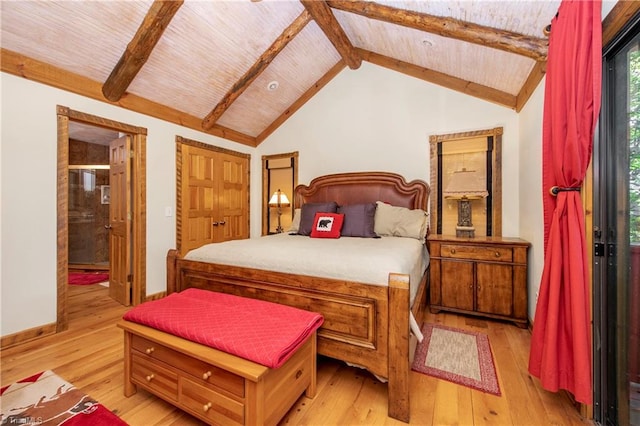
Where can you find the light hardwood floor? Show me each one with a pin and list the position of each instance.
(90, 355)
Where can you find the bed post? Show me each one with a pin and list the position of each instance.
(172, 257)
(399, 329)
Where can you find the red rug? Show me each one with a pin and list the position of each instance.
(459, 356)
(47, 399)
(85, 278)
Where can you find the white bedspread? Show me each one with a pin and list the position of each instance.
(365, 260)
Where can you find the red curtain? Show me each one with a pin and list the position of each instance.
(561, 349)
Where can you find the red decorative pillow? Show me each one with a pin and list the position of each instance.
(327, 225)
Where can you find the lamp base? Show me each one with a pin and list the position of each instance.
(465, 231)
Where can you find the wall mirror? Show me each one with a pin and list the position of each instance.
(279, 178)
(466, 183)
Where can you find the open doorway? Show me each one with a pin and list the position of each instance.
(89, 201)
(121, 193)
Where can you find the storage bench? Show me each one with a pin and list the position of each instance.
(225, 359)
(215, 386)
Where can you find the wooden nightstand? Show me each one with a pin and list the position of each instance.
(484, 276)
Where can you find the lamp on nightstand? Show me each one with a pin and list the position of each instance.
(279, 199)
(465, 185)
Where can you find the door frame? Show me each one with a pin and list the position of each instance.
(612, 269)
(137, 192)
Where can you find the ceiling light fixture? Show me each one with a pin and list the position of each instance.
(272, 86)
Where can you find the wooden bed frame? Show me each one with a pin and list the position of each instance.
(365, 325)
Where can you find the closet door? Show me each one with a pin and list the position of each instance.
(233, 204)
(199, 192)
(213, 195)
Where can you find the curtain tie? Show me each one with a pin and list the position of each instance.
(556, 189)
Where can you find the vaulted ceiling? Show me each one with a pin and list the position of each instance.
(238, 69)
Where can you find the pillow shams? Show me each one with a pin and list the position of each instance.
(400, 221)
(308, 212)
(359, 220)
(295, 223)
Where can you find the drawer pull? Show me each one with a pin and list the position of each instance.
(497, 254)
(150, 350)
(207, 406)
(298, 374)
(453, 251)
(150, 377)
(206, 375)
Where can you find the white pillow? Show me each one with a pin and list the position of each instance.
(400, 221)
(295, 223)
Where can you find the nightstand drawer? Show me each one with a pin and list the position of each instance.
(476, 252)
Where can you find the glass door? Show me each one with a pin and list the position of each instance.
(88, 215)
(617, 237)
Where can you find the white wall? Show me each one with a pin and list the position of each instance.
(28, 195)
(365, 119)
(531, 215)
(376, 119)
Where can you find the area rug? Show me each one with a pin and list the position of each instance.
(85, 278)
(459, 356)
(47, 399)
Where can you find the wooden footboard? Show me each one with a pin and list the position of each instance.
(366, 325)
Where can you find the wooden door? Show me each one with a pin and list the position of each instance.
(120, 220)
(233, 202)
(494, 287)
(199, 191)
(457, 284)
(214, 196)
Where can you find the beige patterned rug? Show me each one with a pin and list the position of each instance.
(459, 356)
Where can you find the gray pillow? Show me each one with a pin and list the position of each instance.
(308, 213)
(359, 220)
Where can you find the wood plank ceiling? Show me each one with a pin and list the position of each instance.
(238, 69)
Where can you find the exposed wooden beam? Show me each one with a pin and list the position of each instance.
(139, 49)
(529, 86)
(444, 80)
(256, 69)
(34, 70)
(323, 16)
(531, 47)
(621, 13)
(335, 70)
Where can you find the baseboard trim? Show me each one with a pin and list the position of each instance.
(156, 296)
(27, 335)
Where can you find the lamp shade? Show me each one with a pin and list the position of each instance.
(279, 198)
(466, 184)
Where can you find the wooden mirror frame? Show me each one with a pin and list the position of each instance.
(494, 200)
(267, 189)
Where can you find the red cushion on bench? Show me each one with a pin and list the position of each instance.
(263, 332)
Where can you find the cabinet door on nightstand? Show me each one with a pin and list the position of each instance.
(494, 284)
(457, 284)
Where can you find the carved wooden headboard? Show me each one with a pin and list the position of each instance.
(364, 187)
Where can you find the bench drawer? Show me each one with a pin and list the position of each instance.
(154, 376)
(207, 373)
(208, 404)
